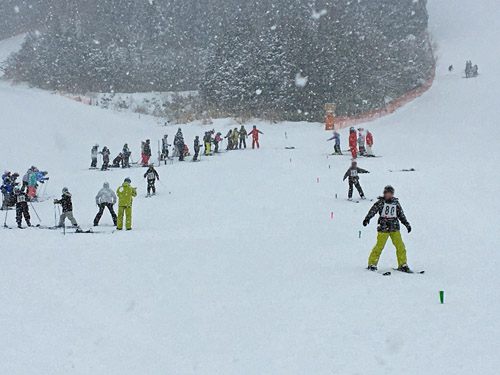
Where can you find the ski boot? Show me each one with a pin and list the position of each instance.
(404, 268)
(372, 267)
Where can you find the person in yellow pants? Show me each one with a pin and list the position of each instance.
(126, 194)
(390, 215)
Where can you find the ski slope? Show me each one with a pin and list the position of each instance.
(236, 267)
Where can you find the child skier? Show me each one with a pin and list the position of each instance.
(118, 161)
(67, 208)
(33, 184)
(196, 148)
(243, 137)
(105, 158)
(105, 198)
(229, 139)
(125, 193)
(164, 148)
(151, 175)
(94, 153)
(369, 144)
(336, 147)
(126, 156)
(390, 214)
(353, 143)
(22, 208)
(146, 153)
(353, 174)
(217, 140)
(255, 136)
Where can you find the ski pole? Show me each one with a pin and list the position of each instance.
(5, 221)
(36, 213)
(55, 215)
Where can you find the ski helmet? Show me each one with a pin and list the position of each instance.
(128, 180)
(65, 190)
(388, 189)
(354, 162)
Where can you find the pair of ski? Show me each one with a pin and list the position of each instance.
(389, 273)
(77, 231)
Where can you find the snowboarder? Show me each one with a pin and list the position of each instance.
(118, 161)
(67, 208)
(353, 143)
(243, 137)
(94, 153)
(105, 198)
(369, 144)
(146, 153)
(336, 147)
(125, 193)
(217, 140)
(22, 208)
(105, 158)
(255, 137)
(126, 156)
(353, 175)
(361, 142)
(151, 175)
(390, 214)
(196, 148)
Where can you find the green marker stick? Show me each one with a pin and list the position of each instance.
(359, 234)
(441, 296)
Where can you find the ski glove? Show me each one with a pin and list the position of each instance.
(408, 228)
(366, 222)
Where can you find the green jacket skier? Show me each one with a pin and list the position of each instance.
(126, 194)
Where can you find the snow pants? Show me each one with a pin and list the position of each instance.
(32, 191)
(105, 165)
(337, 149)
(243, 142)
(355, 183)
(354, 152)
(67, 215)
(369, 151)
(127, 211)
(93, 164)
(126, 163)
(255, 141)
(22, 210)
(396, 239)
(145, 159)
(208, 146)
(151, 186)
(102, 206)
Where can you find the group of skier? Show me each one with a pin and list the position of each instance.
(359, 143)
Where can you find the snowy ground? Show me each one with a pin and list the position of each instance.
(236, 267)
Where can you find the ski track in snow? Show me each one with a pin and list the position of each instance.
(241, 270)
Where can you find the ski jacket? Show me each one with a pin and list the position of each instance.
(352, 140)
(361, 140)
(207, 138)
(94, 153)
(40, 177)
(105, 195)
(336, 137)
(26, 177)
(391, 213)
(126, 152)
(218, 138)
(243, 133)
(369, 139)
(164, 144)
(353, 173)
(126, 193)
(21, 198)
(65, 202)
(151, 174)
(178, 137)
(255, 133)
(196, 145)
(147, 149)
(33, 179)
(105, 155)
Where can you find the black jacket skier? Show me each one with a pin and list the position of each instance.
(353, 175)
(197, 148)
(151, 175)
(22, 208)
(391, 213)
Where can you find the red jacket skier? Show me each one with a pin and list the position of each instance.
(255, 136)
(353, 143)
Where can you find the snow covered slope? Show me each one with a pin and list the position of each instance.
(236, 267)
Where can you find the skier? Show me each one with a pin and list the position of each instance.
(94, 153)
(353, 174)
(207, 141)
(9, 183)
(235, 136)
(164, 148)
(151, 175)
(217, 140)
(391, 213)
(361, 142)
(146, 153)
(105, 158)
(118, 161)
(243, 137)
(255, 137)
(67, 208)
(178, 136)
(336, 147)
(196, 148)
(229, 139)
(33, 184)
(369, 144)
(353, 143)
(126, 156)
(181, 148)
(125, 195)
(22, 208)
(105, 198)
